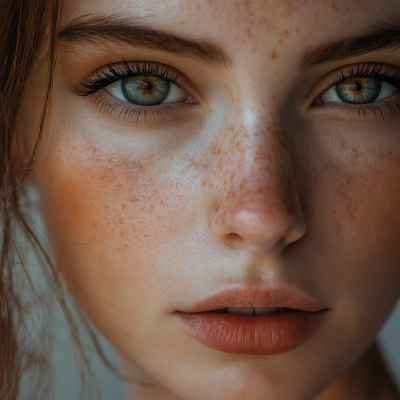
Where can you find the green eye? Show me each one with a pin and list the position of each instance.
(146, 91)
(358, 91)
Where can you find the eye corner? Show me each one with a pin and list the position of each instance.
(317, 102)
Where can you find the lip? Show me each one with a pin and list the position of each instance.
(266, 334)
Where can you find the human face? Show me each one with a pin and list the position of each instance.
(254, 187)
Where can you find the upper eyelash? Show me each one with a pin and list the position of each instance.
(111, 73)
(385, 73)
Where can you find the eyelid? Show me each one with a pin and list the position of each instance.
(116, 90)
(332, 78)
(116, 108)
(385, 93)
(174, 76)
(107, 104)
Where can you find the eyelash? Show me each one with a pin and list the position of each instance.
(111, 73)
(381, 109)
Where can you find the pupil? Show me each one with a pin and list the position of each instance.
(357, 87)
(147, 86)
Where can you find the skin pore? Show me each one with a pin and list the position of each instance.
(255, 182)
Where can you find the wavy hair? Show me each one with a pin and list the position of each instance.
(28, 40)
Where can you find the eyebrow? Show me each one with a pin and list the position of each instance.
(100, 29)
(382, 36)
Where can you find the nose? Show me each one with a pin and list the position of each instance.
(257, 205)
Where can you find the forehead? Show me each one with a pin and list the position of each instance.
(247, 25)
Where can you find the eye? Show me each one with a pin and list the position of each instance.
(146, 90)
(358, 90)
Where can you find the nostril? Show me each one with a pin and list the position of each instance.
(261, 229)
(234, 238)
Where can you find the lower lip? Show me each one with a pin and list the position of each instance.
(260, 335)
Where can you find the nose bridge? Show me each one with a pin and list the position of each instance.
(258, 176)
(258, 202)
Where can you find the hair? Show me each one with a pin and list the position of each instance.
(28, 41)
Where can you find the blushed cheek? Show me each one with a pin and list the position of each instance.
(98, 197)
(115, 235)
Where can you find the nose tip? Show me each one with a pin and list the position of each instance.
(257, 202)
(259, 230)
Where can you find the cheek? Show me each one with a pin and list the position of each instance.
(108, 217)
(98, 192)
(359, 200)
(365, 201)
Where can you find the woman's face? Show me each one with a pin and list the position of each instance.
(249, 157)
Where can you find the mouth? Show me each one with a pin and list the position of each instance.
(251, 311)
(254, 322)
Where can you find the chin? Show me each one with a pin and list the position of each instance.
(248, 381)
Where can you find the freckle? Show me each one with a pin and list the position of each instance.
(274, 54)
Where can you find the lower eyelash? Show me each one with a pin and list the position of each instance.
(111, 108)
(381, 111)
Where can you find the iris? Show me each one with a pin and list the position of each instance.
(145, 90)
(359, 90)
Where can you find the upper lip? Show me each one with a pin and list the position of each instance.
(250, 297)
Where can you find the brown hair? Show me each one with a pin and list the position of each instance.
(28, 37)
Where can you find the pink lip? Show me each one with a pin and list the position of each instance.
(265, 334)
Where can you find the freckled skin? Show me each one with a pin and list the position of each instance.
(250, 186)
